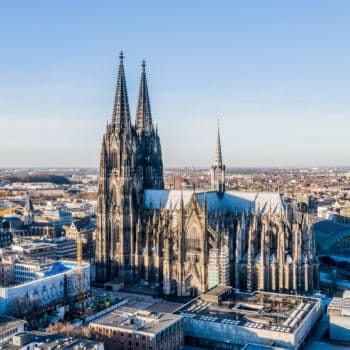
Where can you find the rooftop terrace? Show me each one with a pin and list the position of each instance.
(260, 310)
(137, 320)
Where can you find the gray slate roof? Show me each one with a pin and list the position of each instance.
(233, 201)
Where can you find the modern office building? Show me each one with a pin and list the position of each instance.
(225, 317)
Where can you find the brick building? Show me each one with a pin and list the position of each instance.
(129, 328)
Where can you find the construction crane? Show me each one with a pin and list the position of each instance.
(80, 296)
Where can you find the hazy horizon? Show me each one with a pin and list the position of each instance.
(172, 168)
(275, 74)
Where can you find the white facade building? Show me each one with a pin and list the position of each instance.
(51, 282)
(10, 326)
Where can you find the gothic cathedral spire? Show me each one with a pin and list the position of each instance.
(218, 158)
(118, 185)
(121, 115)
(148, 139)
(217, 170)
(143, 112)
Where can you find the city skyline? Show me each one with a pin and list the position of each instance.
(275, 75)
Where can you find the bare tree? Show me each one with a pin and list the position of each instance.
(16, 307)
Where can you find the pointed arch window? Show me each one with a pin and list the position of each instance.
(114, 159)
(193, 240)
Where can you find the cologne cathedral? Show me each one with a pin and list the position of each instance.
(184, 240)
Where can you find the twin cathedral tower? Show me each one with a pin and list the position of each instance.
(187, 241)
(131, 160)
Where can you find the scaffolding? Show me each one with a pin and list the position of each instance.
(213, 269)
(218, 267)
(224, 263)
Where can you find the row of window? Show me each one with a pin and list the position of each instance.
(9, 333)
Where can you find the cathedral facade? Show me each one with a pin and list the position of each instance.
(189, 241)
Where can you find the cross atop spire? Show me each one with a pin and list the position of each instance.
(121, 114)
(143, 112)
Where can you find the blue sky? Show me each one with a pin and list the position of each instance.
(276, 73)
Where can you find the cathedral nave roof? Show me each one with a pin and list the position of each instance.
(233, 201)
